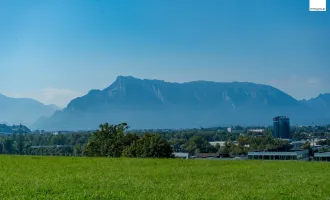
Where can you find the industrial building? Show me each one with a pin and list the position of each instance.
(281, 127)
(322, 156)
(181, 155)
(274, 155)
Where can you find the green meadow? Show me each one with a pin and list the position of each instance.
(27, 177)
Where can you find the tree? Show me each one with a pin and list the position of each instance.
(8, 147)
(19, 144)
(2, 150)
(107, 141)
(149, 146)
(307, 145)
(226, 148)
(197, 144)
(77, 150)
(217, 146)
(242, 142)
(129, 139)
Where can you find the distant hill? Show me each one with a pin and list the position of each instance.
(23, 110)
(320, 103)
(321, 106)
(4, 129)
(159, 104)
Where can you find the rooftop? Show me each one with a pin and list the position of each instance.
(325, 154)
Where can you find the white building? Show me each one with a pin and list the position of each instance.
(181, 155)
(221, 143)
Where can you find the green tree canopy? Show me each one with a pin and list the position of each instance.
(149, 146)
(111, 141)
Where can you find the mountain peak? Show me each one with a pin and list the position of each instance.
(132, 78)
(320, 96)
(122, 80)
(126, 78)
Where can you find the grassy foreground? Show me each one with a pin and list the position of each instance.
(24, 177)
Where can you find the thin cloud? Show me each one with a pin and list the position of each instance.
(60, 97)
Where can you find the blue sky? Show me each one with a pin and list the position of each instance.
(56, 50)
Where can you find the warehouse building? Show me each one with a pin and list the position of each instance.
(275, 155)
(322, 156)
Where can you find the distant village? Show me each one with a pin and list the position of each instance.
(306, 143)
(287, 142)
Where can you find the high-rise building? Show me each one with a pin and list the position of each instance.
(281, 127)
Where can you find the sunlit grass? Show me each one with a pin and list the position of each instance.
(25, 177)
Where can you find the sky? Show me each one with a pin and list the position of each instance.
(56, 50)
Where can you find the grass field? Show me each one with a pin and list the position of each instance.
(23, 177)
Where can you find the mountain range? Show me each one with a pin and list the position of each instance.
(23, 110)
(158, 104)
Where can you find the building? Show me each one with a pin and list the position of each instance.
(281, 127)
(256, 130)
(207, 155)
(322, 156)
(181, 155)
(297, 144)
(273, 155)
(220, 143)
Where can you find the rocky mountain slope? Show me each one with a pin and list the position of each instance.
(159, 104)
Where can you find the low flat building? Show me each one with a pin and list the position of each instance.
(275, 155)
(322, 156)
(207, 155)
(220, 143)
(224, 155)
(256, 130)
(181, 155)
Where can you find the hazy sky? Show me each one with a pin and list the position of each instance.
(55, 50)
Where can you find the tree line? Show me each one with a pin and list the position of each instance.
(111, 141)
(117, 141)
(108, 141)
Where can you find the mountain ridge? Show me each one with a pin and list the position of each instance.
(151, 103)
(23, 110)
